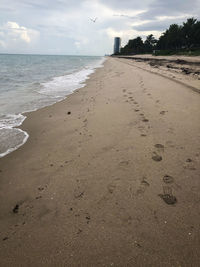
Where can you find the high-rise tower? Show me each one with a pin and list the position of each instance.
(117, 45)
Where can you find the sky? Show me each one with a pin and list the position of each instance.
(64, 27)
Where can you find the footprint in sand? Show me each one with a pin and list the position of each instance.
(159, 147)
(189, 164)
(78, 193)
(16, 208)
(170, 130)
(156, 157)
(124, 163)
(111, 188)
(143, 185)
(163, 112)
(167, 196)
(168, 179)
(144, 182)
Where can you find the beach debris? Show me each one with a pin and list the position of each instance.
(188, 160)
(40, 188)
(5, 238)
(145, 120)
(156, 157)
(88, 218)
(69, 112)
(169, 66)
(16, 208)
(38, 197)
(186, 70)
(137, 244)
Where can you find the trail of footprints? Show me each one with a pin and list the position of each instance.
(131, 100)
(168, 181)
(167, 195)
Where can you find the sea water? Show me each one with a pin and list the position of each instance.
(30, 82)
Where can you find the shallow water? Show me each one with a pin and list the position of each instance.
(30, 82)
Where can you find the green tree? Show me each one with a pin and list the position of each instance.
(188, 31)
(134, 46)
(174, 38)
(197, 34)
(150, 43)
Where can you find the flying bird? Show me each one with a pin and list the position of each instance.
(93, 20)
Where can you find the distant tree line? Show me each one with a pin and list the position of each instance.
(177, 37)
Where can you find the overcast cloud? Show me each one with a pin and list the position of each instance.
(64, 26)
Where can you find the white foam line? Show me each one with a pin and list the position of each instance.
(80, 85)
(16, 147)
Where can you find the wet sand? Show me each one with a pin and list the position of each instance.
(108, 177)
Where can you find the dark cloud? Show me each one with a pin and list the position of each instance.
(127, 4)
(41, 5)
(152, 26)
(171, 8)
(64, 23)
(157, 25)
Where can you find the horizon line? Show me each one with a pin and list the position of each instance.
(30, 54)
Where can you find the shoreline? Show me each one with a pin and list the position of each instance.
(25, 114)
(109, 176)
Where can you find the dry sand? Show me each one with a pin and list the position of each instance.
(184, 70)
(114, 183)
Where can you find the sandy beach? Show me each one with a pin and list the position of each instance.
(109, 176)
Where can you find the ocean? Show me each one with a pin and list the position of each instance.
(30, 82)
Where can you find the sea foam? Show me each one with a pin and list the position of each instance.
(38, 94)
